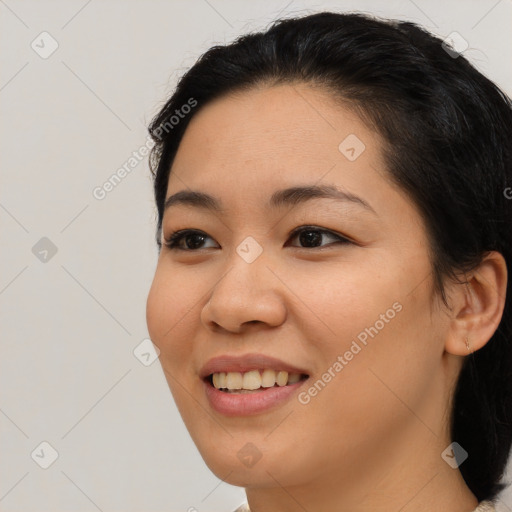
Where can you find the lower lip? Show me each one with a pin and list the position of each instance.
(246, 404)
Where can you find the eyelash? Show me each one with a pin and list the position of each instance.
(175, 238)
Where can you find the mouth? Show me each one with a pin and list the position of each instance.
(250, 384)
(253, 381)
(228, 393)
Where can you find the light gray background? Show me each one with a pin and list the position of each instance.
(69, 325)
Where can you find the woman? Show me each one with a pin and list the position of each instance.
(331, 300)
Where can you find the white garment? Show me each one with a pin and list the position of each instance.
(484, 506)
(245, 508)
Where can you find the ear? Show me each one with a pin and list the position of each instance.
(477, 305)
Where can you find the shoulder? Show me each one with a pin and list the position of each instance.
(484, 506)
(245, 508)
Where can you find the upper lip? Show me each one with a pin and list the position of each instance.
(227, 363)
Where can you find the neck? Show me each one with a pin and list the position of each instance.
(406, 473)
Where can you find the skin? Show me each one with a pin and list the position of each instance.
(372, 439)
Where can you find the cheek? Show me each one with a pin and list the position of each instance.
(170, 307)
(343, 304)
(380, 330)
(170, 311)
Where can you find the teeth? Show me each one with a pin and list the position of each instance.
(282, 378)
(219, 380)
(253, 380)
(293, 378)
(234, 380)
(268, 378)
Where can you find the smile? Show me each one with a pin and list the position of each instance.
(254, 380)
(228, 395)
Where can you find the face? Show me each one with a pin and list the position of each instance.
(336, 289)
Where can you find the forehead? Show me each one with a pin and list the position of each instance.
(273, 131)
(243, 147)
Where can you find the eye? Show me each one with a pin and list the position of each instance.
(310, 236)
(193, 240)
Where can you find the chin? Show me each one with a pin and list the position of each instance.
(236, 474)
(246, 467)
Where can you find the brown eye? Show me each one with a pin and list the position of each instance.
(186, 240)
(309, 237)
(312, 237)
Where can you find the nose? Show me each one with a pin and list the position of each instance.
(246, 294)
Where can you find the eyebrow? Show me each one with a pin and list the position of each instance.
(286, 197)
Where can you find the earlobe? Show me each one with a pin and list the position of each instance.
(478, 306)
